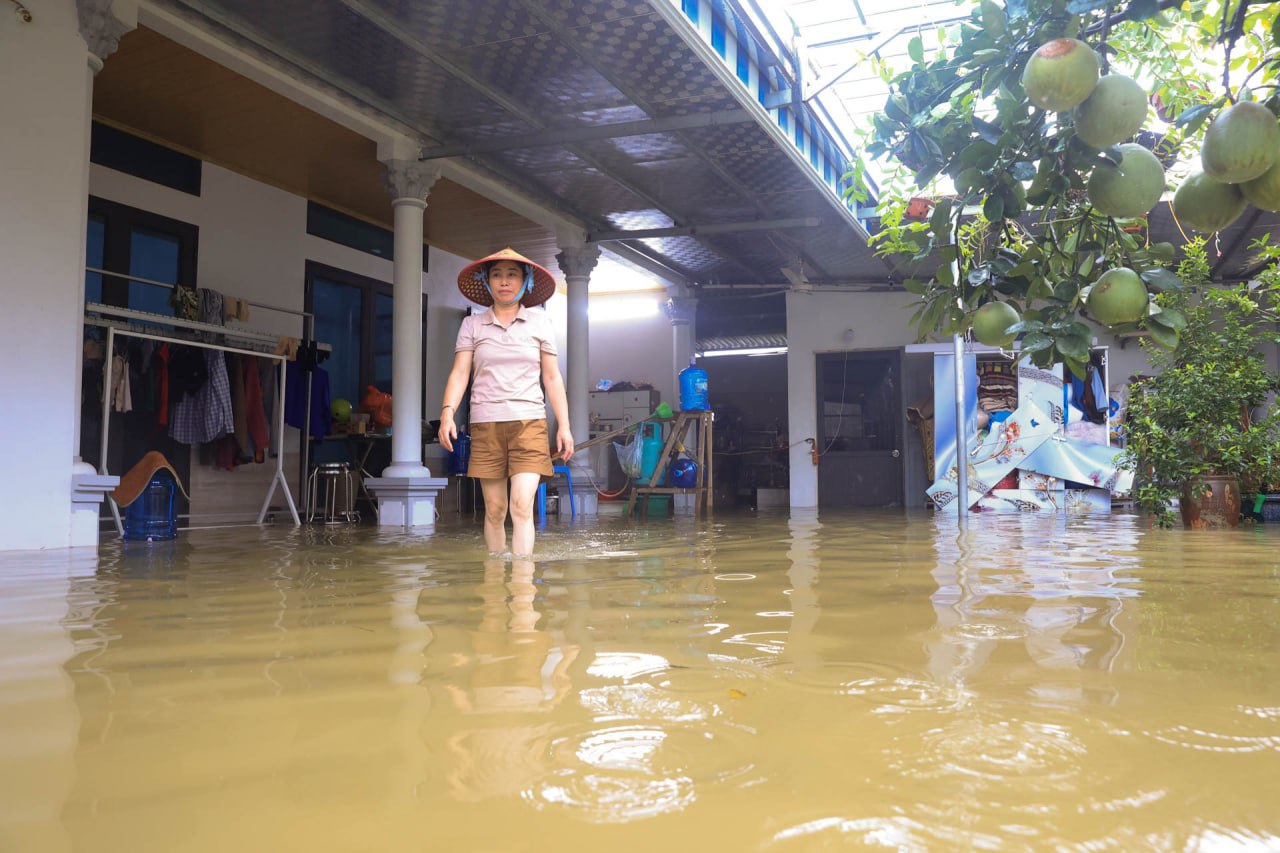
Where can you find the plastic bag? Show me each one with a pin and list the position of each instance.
(377, 404)
(631, 456)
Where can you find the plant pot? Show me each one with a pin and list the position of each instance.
(1214, 502)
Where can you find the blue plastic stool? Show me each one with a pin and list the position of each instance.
(542, 493)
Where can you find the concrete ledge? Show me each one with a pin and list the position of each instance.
(406, 502)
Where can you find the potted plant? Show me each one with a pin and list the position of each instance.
(1195, 430)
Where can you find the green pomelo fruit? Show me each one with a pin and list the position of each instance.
(1061, 74)
(1240, 144)
(1114, 111)
(1207, 205)
(990, 322)
(994, 20)
(1118, 296)
(1130, 189)
(1264, 190)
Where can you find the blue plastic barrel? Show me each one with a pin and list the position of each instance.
(684, 473)
(693, 388)
(152, 516)
(460, 456)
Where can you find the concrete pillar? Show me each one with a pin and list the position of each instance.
(406, 491)
(576, 261)
(681, 308)
(46, 103)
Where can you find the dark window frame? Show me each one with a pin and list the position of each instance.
(346, 230)
(119, 223)
(369, 288)
(122, 151)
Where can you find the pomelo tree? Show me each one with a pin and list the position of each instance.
(1025, 125)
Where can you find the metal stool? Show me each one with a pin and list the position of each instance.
(339, 487)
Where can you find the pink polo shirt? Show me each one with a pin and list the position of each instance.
(506, 364)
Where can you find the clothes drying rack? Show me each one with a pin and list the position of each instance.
(128, 322)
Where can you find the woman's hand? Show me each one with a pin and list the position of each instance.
(564, 442)
(448, 430)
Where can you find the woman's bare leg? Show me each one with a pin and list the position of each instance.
(524, 487)
(495, 513)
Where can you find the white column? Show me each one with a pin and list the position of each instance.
(409, 183)
(45, 106)
(576, 262)
(406, 491)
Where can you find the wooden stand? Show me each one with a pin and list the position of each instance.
(701, 423)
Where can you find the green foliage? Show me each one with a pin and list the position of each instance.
(960, 112)
(1198, 416)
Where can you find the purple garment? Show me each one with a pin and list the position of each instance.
(205, 415)
(295, 399)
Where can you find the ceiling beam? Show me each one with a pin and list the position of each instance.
(616, 130)
(695, 230)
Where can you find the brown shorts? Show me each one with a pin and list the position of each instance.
(502, 448)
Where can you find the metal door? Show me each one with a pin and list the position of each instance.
(860, 416)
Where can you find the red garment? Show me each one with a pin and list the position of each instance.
(253, 409)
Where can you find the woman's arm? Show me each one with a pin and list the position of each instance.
(454, 388)
(554, 385)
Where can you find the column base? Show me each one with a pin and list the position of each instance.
(406, 502)
(586, 502)
(88, 491)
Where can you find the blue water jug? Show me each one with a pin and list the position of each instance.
(684, 473)
(152, 515)
(460, 456)
(693, 388)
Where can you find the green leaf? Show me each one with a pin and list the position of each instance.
(1077, 366)
(1163, 252)
(944, 275)
(1025, 326)
(1275, 30)
(916, 286)
(893, 108)
(993, 208)
(1161, 280)
(940, 221)
(1163, 335)
(915, 49)
(1173, 318)
(1035, 341)
(1074, 347)
(1022, 171)
(968, 180)
(1141, 10)
(1190, 114)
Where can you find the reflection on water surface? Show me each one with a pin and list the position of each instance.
(750, 683)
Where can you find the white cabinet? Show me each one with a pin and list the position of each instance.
(613, 409)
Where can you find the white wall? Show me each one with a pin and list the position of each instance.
(635, 350)
(819, 322)
(44, 137)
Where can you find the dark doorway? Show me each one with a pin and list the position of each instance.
(860, 428)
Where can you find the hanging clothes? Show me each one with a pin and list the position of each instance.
(121, 397)
(295, 403)
(206, 414)
(254, 410)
